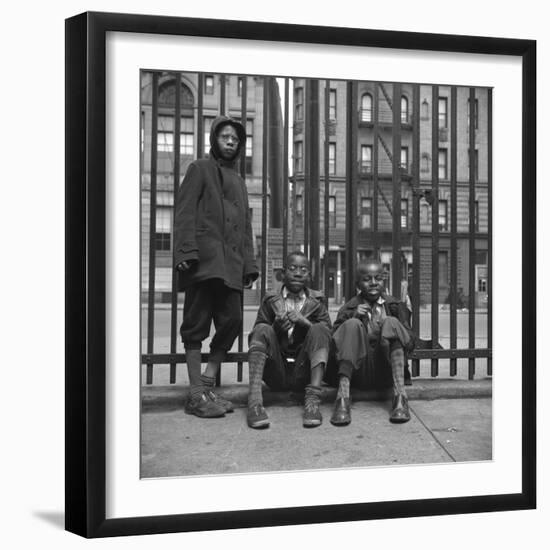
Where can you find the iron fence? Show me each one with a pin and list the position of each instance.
(392, 210)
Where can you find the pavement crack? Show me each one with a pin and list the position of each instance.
(432, 434)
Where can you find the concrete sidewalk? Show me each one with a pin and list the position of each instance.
(451, 422)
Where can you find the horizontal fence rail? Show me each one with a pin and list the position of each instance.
(343, 171)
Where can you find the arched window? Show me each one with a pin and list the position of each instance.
(404, 110)
(366, 108)
(167, 95)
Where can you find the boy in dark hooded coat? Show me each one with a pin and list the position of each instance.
(213, 253)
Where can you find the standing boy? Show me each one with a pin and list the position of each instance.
(289, 343)
(214, 256)
(371, 329)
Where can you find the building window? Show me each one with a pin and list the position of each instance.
(299, 210)
(424, 214)
(425, 109)
(443, 259)
(163, 227)
(366, 108)
(142, 140)
(476, 117)
(187, 139)
(207, 128)
(443, 216)
(165, 139)
(299, 105)
(442, 164)
(249, 145)
(298, 157)
(365, 216)
(366, 158)
(332, 158)
(208, 84)
(476, 163)
(332, 105)
(240, 85)
(404, 158)
(425, 163)
(404, 110)
(442, 111)
(404, 213)
(332, 211)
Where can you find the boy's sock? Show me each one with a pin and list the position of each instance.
(256, 362)
(196, 385)
(208, 381)
(343, 387)
(397, 359)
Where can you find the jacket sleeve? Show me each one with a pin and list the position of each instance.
(185, 216)
(322, 316)
(250, 268)
(344, 313)
(266, 315)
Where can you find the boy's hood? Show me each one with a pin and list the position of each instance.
(222, 121)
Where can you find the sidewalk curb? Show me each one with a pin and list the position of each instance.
(169, 398)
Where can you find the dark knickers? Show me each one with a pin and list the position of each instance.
(209, 301)
(354, 349)
(281, 372)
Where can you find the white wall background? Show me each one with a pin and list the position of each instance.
(32, 282)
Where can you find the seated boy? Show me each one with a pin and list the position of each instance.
(291, 324)
(370, 329)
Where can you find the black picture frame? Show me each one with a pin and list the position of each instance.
(86, 269)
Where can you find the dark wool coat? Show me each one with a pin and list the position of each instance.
(314, 310)
(393, 307)
(212, 219)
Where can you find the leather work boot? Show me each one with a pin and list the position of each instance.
(312, 412)
(341, 415)
(256, 416)
(203, 406)
(224, 403)
(400, 409)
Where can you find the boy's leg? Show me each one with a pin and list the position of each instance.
(315, 349)
(194, 329)
(263, 348)
(227, 316)
(394, 338)
(351, 350)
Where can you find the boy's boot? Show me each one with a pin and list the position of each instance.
(209, 382)
(400, 406)
(256, 416)
(198, 401)
(341, 415)
(312, 412)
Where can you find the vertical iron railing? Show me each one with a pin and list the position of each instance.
(454, 229)
(152, 227)
(416, 221)
(285, 170)
(490, 225)
(396, 190)
(313, 162)
(435, 225)
(327, 189)
(176, 177)
(351, 188)
(472, 236)
(265, 112)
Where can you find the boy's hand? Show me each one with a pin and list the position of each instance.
(247, 281)
(361, 310)
(186, 266)
(298, 319)
(283, 322)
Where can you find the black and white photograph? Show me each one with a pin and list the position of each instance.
(316, 273)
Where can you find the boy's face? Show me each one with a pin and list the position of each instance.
(370, 281)
(228, 141)
(296, 273)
